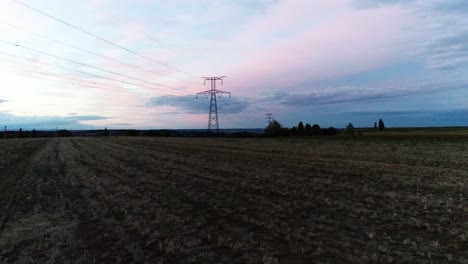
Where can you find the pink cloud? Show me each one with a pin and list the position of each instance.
(351, 42)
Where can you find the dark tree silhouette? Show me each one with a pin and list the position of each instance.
(308, 129)
(381, 125)
(329, 131)
(132, 133)
(63, 133)
(300, 127)
(375, 125)
(274, 128)
(20, 133)
(316, 130)
(350, 129)
(293, 131)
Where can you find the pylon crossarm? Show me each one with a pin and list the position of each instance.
(220, 91)
(214, 78)
(204, 93)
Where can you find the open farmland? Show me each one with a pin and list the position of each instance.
(190, 200)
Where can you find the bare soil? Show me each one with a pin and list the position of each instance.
(182, 200)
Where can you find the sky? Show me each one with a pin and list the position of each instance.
(138, 64)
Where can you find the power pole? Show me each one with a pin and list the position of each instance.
(269, 118)
(213, 122)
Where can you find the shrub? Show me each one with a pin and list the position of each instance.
(274, 129)
(331, 131)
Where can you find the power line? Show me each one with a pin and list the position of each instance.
(91, 74)
(82, 64)
(101, 86)
(90, 66)
(100, 38)
(87, 73)
(81, 85)
(75, 84)
(245, 117)
(104, 86)
(81, 49)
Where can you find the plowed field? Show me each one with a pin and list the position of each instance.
(182, 200)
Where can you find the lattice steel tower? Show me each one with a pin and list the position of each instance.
(213, 121)
(269, 118)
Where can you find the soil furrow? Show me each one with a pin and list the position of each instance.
(182, 200)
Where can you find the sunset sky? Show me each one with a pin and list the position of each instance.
(139, 63)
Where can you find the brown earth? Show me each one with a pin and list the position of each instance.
(181, 200)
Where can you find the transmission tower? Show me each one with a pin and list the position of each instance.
(269, 118)
(213, 122)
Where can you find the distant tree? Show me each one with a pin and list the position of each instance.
(20, 133)
(316, 130)
(106, 132)
(381, 125)
(34, 133)
(293, 131)
(307, 129)
(350, 129)
(331, 131)
(300, 128)
(132, 133)
(375, 125)
(274, 129)
(63, 133)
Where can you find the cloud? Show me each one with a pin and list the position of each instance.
(345, 94)
(46, 122)
(285, 54)
(119, 124)
(377, 3)
(449, 50)
(411, 118)
(86, 118)
(333, 41)
(452, 6)
(459, 112)
(192, 105)
(444, 28)
(446, 33)
(3, 101)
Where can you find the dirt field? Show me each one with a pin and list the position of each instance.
(181, 200)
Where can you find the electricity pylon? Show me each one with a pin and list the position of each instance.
(213, 122)
(269, 118)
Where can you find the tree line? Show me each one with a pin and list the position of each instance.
(275, 128)
(20, 133)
